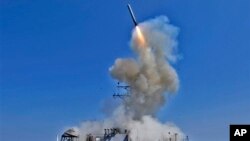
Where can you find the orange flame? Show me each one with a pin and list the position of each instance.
(140, 36)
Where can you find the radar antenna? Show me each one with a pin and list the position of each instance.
(123, 91)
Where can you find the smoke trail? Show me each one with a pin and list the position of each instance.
(151, 77)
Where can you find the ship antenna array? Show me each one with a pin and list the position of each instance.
(123, 91)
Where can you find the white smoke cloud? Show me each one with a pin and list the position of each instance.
(145, 129)
(151, 77)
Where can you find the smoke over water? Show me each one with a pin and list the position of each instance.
(151, 78)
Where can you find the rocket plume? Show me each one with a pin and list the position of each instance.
(151, 77)
(140, 36)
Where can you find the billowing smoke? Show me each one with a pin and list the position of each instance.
(151, 77)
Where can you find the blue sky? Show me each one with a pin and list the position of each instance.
(55, 56)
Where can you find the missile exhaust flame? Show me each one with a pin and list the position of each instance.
(140, 37)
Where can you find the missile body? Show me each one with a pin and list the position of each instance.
(132, 14)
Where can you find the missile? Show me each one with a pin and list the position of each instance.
(132, 14)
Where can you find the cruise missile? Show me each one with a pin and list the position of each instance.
(132, 14)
